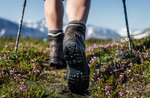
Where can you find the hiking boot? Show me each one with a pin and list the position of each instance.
(56, 50)
(74, 54)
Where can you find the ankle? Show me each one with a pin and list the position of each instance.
(76, 26)
(55, 34)
(55, 31)
(75, 22)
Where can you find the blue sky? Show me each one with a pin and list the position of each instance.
(104, 13)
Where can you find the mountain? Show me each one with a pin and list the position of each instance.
(39, 30)
(10, 29)
(92, 31)
(136, 34)
(99, 32)
(40, 25)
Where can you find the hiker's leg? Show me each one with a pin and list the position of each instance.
(78, 10)
(74, 46)
(54, 19)
(54, 14)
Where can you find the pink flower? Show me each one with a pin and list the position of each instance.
(127, 91)
(124, 85)
(130, 64)
(107, 92)
(97, 95)
(128, 71)
(21, 88)
(121, 75)
(6, 46)
(144, 47)
(3, 96)
(33, 61)
(121, 93)
(132, 79)
(29, 72)
(21, 83)
(107, 45)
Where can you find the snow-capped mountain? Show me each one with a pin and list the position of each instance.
(103, 33)
(39, 30)
(136, 34)
(92, 31)
(10, 29)
(40, 25)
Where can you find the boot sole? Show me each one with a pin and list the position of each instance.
(77, 75)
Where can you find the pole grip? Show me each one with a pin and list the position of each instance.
(24, 3)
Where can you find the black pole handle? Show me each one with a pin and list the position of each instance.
(124, 0)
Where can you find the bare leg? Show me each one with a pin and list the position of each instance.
(54, 14)
(78, 10)
(54, 18)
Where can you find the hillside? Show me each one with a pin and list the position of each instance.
(39, 30)
(115, 71)
(10, 29)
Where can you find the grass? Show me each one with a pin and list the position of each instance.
(115, 70)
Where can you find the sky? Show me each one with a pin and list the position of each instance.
(103, 13)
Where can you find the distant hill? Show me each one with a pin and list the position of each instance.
(39, 30)
(99, 32)
(10, 29)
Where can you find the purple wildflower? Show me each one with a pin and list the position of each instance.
(144, 47)
(33, 61)
(21, 88)
(11, 89)
(29, 72)
(6, 46)
(107, 92)
(124, 85)
(3, 96)
(130, 64)
(121, 93)
(37, 70)
(107, 45)
(24, 76)
(21, 83)
(127, 91)
(128, 71)
(132, 79)
(97, 95)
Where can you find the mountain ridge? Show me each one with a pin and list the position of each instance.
(39, 30)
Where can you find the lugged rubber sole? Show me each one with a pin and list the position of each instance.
(78, 70)
(58, 65)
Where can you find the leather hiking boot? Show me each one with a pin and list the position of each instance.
(74, 53)
(56, 50)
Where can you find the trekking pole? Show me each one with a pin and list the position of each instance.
(127, 25)
(20, 26)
